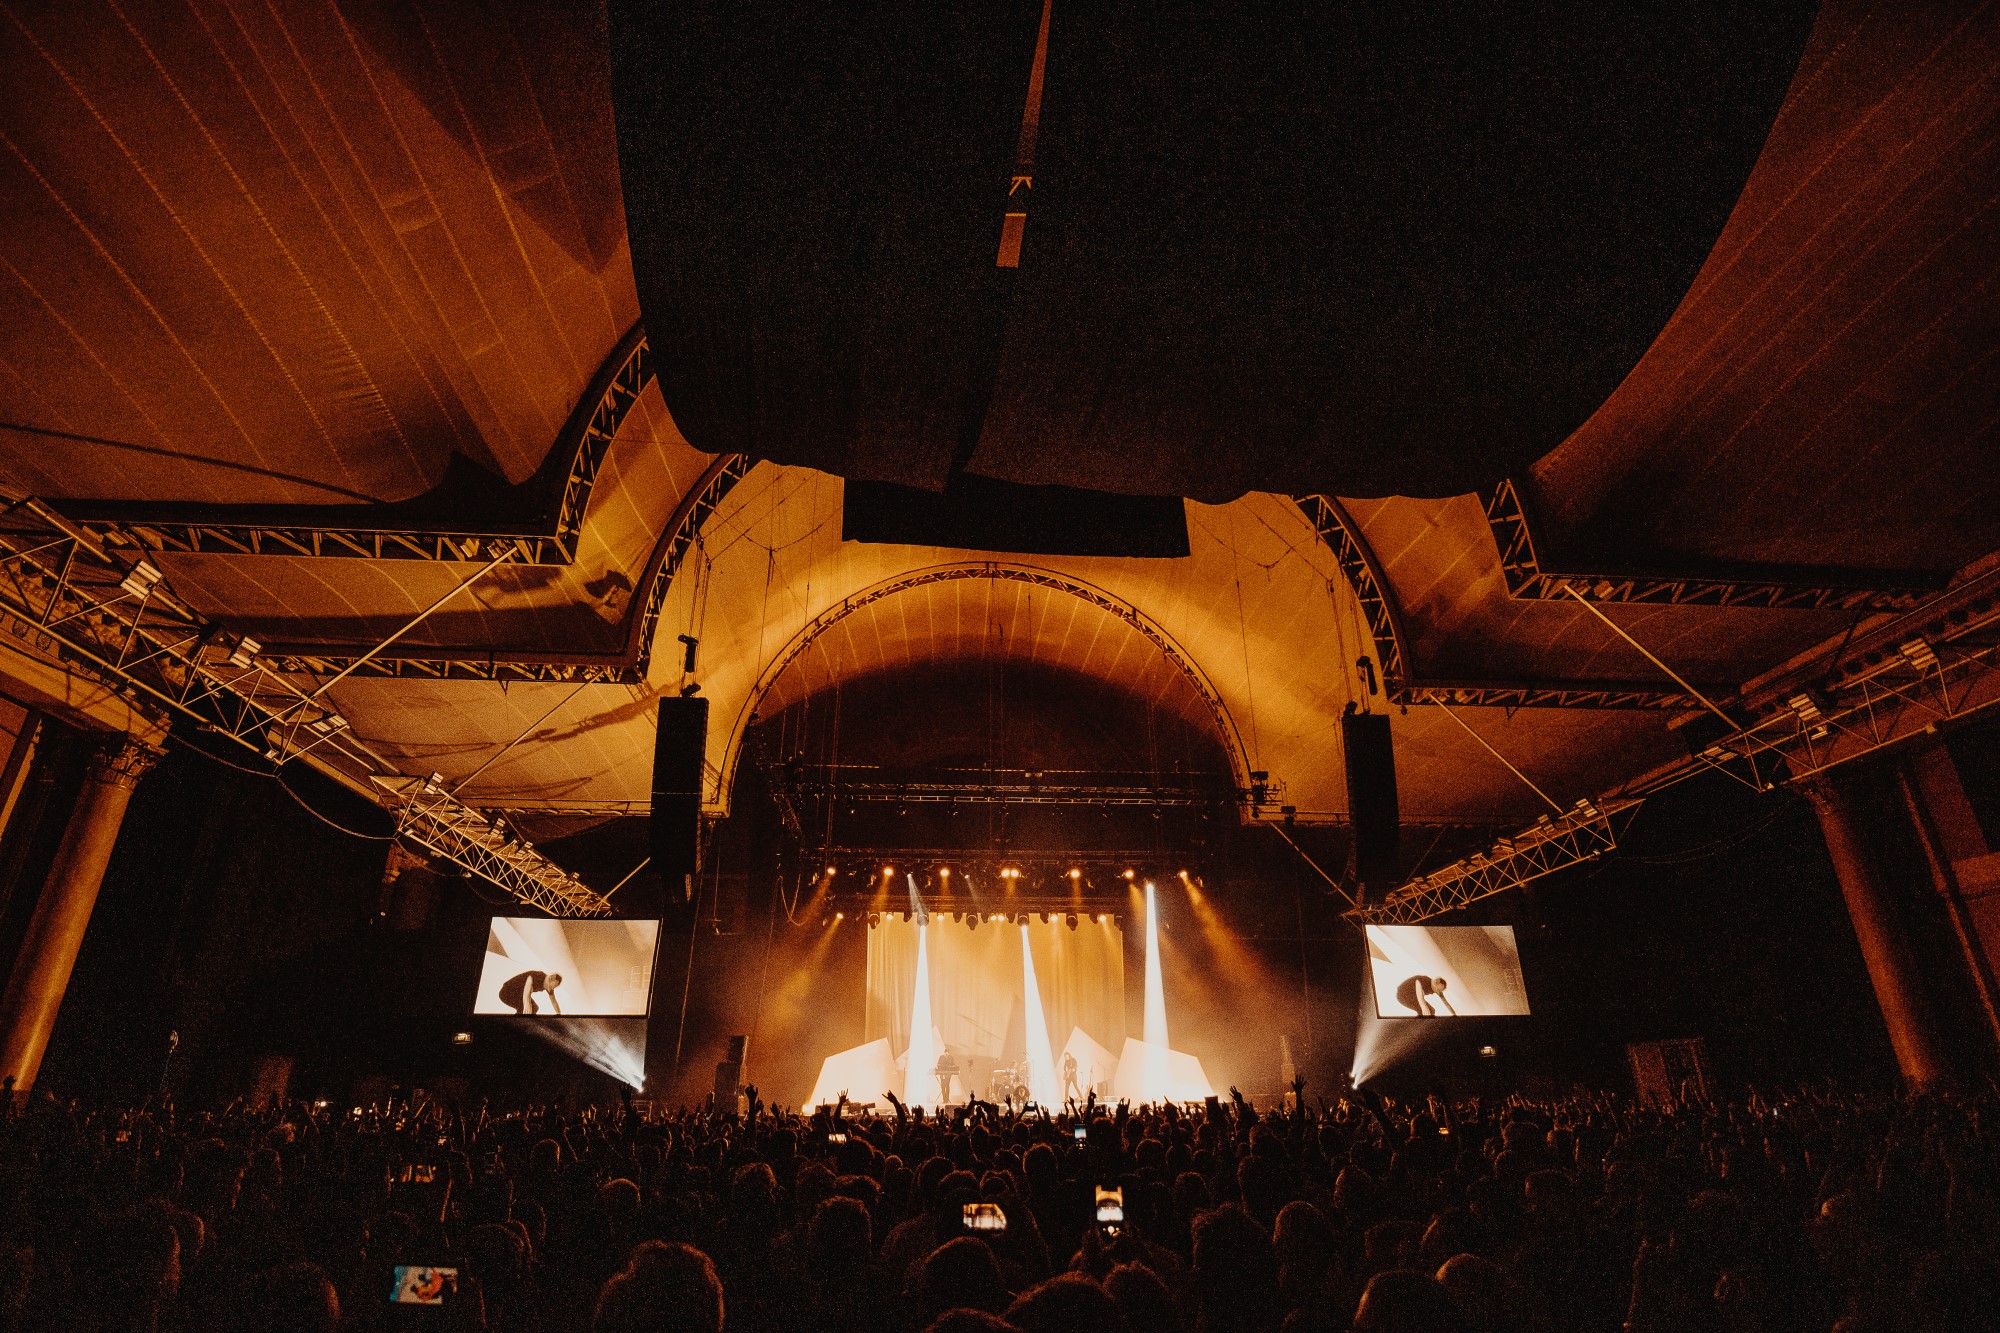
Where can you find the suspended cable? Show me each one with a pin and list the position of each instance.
(278, 777)
(628, 878)
(1314, 864)
(1706, 702)
(1453, 713)
(412, 623)
(458, 786)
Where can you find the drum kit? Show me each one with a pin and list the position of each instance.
(1009, 1082)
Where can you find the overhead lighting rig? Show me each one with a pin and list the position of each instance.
(1582, 833)
(76, 599)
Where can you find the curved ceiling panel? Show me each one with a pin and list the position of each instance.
(988, 620)
(246, 260)
(1829, 393)
(1443, 568)
(1353, 249)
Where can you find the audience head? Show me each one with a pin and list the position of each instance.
(663, 1288)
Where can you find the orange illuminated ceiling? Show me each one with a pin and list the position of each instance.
(290, 266)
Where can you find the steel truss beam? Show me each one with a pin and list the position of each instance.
(1552, 843)
(1804, 589)
(1057, 864)
(91, 612)
(1913, 676)
(1910, 676)
(503, 664)
(585, 440)
(1000, 793)
(859, 902)
(1342, 536)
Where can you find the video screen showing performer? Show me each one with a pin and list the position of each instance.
(1446, 971)
(541, 968)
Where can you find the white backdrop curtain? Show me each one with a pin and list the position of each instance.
(978, 1003)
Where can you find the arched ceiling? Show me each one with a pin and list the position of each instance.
(304, 252)
(354, 257)
(1259, 610)
(996, 614)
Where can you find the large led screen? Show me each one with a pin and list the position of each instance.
(1445, 971)
(575, 969)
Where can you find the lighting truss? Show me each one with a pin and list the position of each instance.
(1910, 676)
(955, 793)
(430, 816)
(433, 663)
(1582, 833)
(1342, 536)
(551, 540)
(1877, 711)
(1800, 588)
(74, 598)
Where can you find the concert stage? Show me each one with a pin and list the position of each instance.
(1028, 1008)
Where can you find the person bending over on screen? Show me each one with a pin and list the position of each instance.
(1424, 996)
(518, 991)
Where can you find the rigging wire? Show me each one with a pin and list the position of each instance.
(277, 776)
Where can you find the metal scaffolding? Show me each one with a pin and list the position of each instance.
(85, 602)
(1582, 833)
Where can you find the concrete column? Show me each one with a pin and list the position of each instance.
(1891, 969)
(1963, 868)
(55, 932)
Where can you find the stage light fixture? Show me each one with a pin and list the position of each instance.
(461, 1039)
(831, 872)
(996, 917)
(1487, 1052)
(143, 578)
(874, 920)
(888, 872)
(972, 921)
(1919, 654)
(1070, 920)
(1131, 874)
(245, 652)
(944, 872)
(1075, 873)
(840, 916)
(1103, 917)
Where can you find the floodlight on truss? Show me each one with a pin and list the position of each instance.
(1582, 833)
(68, 596)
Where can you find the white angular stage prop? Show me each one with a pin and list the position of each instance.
(864, 1073)
(1149, 1073)
(1095, 1064)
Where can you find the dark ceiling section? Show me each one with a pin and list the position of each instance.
(1319, 251)
(1829, 393)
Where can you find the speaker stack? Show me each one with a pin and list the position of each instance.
(677, 768)
(1371, 802)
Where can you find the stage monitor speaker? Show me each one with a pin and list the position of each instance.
(677, 770)
(1371, 801)
(728, 1075)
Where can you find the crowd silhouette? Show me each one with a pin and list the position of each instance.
(1817, 1210)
